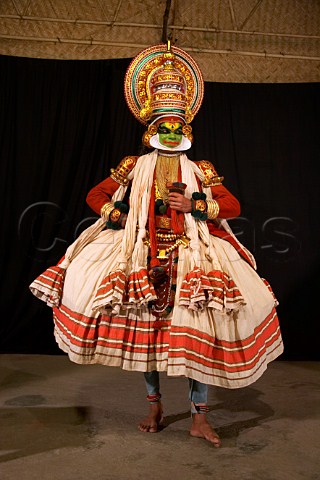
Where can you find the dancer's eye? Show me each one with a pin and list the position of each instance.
(162, 129)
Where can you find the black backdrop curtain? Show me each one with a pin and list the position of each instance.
(63, 124)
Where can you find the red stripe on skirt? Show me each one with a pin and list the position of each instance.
(229, 361)
(225, 343)
(127, 338)
(101, 332)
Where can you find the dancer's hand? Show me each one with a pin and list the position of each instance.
(179, 202)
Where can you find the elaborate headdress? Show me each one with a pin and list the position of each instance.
(164, 82)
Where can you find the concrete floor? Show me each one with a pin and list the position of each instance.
(61, 421)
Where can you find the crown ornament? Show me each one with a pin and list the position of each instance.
(161, 81)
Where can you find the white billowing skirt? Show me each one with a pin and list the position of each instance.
(223, 329)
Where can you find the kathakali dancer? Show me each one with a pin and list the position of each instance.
(160, 282)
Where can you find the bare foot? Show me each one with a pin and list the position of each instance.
(152, 422)
(202, 429)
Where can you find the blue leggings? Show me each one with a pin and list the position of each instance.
(198, 392)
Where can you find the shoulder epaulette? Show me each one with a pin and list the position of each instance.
(122, 171)
(211, 176)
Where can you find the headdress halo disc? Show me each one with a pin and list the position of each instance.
(151, 58)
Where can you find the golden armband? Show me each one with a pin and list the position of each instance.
(106, 209)
(212, 209)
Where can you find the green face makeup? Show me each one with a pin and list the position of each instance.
(170, 134)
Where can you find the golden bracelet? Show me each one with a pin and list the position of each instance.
(212, 209)
(106, 209)
(201, 205)
(115, 215)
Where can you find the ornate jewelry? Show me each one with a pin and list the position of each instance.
(114, 215)
(163, 79)
(212, 209)
(187, 132)
(168, 237)
(201, 205)
(164, 222)
(211, 176)
(120, 173)
(106, 209)
(164, 237)
(152, 130)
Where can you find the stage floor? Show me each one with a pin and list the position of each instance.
(61, 421)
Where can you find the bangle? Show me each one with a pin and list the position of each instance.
(106, 209)
(114, 220)
(114, 215)
(212, 209)
(199, 206)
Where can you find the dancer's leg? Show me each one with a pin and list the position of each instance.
(152, 421)
(152, 382)
(198, 396)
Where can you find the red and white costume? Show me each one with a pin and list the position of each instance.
(223, 328)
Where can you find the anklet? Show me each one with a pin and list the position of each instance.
(153, 399)
(199, 408)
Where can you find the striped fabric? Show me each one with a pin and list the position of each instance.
(132, 344)
(225, 363)
(223, 328)
(49, 285)
(227, 342)
(215, 289)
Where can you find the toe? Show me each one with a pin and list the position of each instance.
(148, 427)
(143, 428)
(214, 439)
